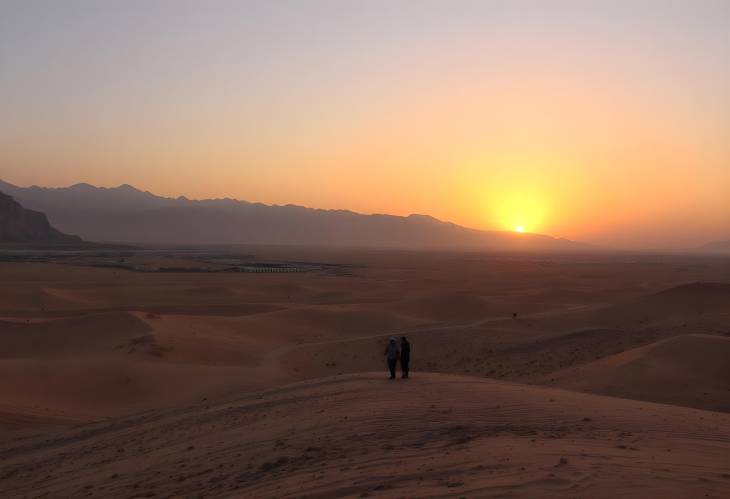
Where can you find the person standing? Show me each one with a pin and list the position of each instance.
(405, 356)
(391, 354)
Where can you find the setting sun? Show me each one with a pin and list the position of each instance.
(519, 211)
(384, 108)
(249, 217)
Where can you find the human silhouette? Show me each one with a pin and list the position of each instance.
(405, 356)
(391, 354)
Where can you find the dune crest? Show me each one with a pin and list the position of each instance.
(686, 370)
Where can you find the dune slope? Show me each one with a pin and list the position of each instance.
(688, 370)
(360, 435)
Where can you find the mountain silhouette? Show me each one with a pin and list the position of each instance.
(127, 215)
(716, 247)
(18, 225)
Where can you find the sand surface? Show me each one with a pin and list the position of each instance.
(360, 435)
(95, 360)
(691, 370)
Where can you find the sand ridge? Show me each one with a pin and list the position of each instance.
(691, 370)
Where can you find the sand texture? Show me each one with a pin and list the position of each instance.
(612, 379)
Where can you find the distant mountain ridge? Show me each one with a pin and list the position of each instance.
(716, 247)
(129, 215)
(19, 225)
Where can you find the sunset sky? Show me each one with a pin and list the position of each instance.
(606, 122)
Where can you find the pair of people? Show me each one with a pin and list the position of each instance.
(393, 353)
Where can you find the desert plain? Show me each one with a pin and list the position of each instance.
(533, 375)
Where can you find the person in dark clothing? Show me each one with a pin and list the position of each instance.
(391, 354)
(405, 356)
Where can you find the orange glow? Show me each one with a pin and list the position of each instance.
(600, 135)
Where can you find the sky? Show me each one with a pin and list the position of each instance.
(605, 122)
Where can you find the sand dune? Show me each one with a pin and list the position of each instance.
(82, 344)
(85, 389)
(313, 322)
(527, 348)
(687, 370)
(362, 435)
(683, 302)
(36, 300)
(16, 420)
(105, 364)
(97, 334)
(461, 306)
(244, 340)
(199, 321)
(710, 296)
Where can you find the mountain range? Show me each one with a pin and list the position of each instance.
(716, 247)
(18, 225)
(125, 214)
